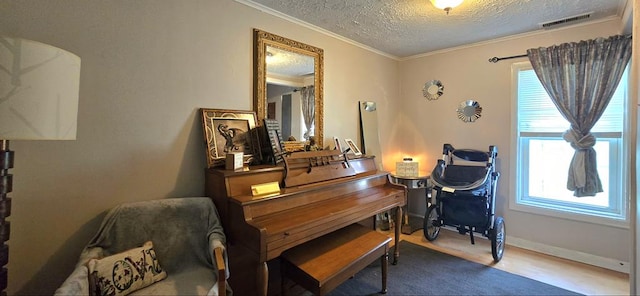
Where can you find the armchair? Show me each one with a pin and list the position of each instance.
(187, 237)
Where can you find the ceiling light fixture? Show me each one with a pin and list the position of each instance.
(269, 57)
(446, 5)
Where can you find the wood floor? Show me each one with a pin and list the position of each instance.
(570, 275)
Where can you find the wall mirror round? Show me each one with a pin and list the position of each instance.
(469, 111)
(288, 85)
(433, 90)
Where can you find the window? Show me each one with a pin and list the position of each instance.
(543, 156)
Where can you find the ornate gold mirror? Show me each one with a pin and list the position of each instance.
(288, 85)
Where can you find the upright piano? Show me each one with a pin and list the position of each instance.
(321, 191)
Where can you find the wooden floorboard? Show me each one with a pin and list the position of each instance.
(578, 277)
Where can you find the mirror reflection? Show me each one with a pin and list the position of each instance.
(288, 86)
(369, 131)
(433, 90)
(291, 93)
(469, 111)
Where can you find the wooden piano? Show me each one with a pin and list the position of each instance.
(322, 191)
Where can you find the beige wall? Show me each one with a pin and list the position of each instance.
(147, 66)
(467, 74)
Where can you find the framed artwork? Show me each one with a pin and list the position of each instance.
(228, 131)
(336, 142)
(353, 147)
(275, 139)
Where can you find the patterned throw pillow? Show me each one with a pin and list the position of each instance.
(123, 273)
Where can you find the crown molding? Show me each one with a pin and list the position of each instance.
(508, 38)
(289, 18)
(283, 16)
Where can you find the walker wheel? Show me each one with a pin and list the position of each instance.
(497, 239)
(431, 225)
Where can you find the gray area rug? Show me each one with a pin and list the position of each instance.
(423, 271)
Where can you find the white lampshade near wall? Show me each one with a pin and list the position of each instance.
(39, 86)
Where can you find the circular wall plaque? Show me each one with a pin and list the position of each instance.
(433, 90)
(469, 111)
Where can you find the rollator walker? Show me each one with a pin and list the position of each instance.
(465, 183)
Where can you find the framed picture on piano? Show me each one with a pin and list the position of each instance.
(274, 138)
(353, 148)
(227, 131)
(336, 143)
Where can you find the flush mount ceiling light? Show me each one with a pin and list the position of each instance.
(446, 5)
(269, 57)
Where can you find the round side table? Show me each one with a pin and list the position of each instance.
(412, 223)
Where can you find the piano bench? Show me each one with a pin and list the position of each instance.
(324, 263)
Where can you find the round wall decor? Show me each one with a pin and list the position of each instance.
(469, 111)
(433, 90)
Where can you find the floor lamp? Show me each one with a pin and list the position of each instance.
(39, 87)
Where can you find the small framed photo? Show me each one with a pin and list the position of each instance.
(353, 147)
(336, 142)
(275, 139)
(227, 131)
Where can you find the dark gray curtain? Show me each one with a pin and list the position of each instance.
(581, 79)
(308, 108)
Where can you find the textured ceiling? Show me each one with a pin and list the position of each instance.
(283, 62)
(403, 28)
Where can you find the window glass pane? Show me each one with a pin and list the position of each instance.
(548, 181)
(544, 157)
(537, 113)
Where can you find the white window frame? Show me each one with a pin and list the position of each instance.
(618, 215)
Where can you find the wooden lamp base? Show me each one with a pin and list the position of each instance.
(6, 181)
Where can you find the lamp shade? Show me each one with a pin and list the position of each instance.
(39, 86)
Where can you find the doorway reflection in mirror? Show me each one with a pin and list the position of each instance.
(294, 108)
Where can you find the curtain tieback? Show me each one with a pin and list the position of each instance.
(577, 174)
(578, 141)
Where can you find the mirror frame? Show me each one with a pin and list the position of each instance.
(263, 39)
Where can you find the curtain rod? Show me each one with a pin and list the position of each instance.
(497, 59)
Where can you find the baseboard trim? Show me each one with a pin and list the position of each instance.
(572, 255)
(582, 257)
